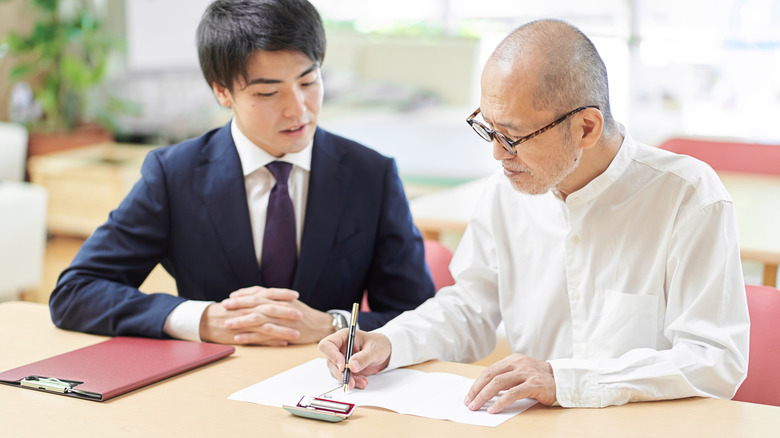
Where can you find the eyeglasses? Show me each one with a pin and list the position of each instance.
(488, 134)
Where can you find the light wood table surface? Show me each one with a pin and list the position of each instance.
(756, 198)
(195, 403)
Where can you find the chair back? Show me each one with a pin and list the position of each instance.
(437, 257)
(13, 151)
(762, 384)
(729, 156)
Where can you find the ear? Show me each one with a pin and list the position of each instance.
(589, 127)
(223, 95)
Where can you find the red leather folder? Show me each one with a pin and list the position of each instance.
(113, 367)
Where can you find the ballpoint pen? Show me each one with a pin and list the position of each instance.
(350, 343)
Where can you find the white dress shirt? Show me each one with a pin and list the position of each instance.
(184, 321)
(631, 288)
(259, 182)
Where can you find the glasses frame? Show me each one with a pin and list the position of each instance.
(510, 146)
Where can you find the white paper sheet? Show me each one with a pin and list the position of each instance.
(413, 392)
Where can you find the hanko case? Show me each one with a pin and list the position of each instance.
(321, 409)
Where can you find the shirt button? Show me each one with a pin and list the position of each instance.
(575, 239)
(574, 295)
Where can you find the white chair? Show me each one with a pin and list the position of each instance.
(22, 218)
(13, 151)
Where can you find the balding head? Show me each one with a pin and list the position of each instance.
(566, 68)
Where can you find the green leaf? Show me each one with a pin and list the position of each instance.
(65, 58)
(76, 73)
(47, 5)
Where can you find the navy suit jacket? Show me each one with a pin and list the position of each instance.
(189, 212)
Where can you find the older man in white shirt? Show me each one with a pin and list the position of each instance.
(614, 266)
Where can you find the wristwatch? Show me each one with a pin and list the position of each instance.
(339, 321)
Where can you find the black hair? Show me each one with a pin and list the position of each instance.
(231, 30)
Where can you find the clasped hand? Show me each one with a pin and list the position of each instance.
(261, 316)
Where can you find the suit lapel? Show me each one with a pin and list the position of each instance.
(329, 182)
(219, 180)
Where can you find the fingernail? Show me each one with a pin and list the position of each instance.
(472, 406)
(466, 401)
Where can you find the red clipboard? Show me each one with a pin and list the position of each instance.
(113, 367)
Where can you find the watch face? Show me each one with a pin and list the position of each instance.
(339, 322)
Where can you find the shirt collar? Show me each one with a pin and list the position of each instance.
(254, 157)
(616, 168)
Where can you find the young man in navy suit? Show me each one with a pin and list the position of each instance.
(209, 209)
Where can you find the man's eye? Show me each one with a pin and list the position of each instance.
(265, 94)
(308, 84)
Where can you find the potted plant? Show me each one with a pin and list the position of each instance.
(64, 59)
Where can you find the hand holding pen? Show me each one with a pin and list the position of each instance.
(369, 353)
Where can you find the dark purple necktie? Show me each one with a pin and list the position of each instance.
(280, 254)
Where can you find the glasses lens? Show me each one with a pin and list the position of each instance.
(503, 141)
(482, 131)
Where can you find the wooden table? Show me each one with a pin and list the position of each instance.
(756, 198)
(195, 403)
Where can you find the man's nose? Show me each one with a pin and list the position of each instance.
(499, 152)
(295, 104)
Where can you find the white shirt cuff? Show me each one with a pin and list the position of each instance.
(401, 354)
(184, 320)
(576, 383)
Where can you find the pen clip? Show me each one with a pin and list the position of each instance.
(354, 315)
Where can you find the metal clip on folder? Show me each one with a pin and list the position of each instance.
(48, 384)
(54, 384)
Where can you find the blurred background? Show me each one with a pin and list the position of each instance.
(401, 76)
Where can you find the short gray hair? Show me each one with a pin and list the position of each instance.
(571, 72)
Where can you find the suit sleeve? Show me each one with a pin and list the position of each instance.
(99, 293)
(398, 279)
